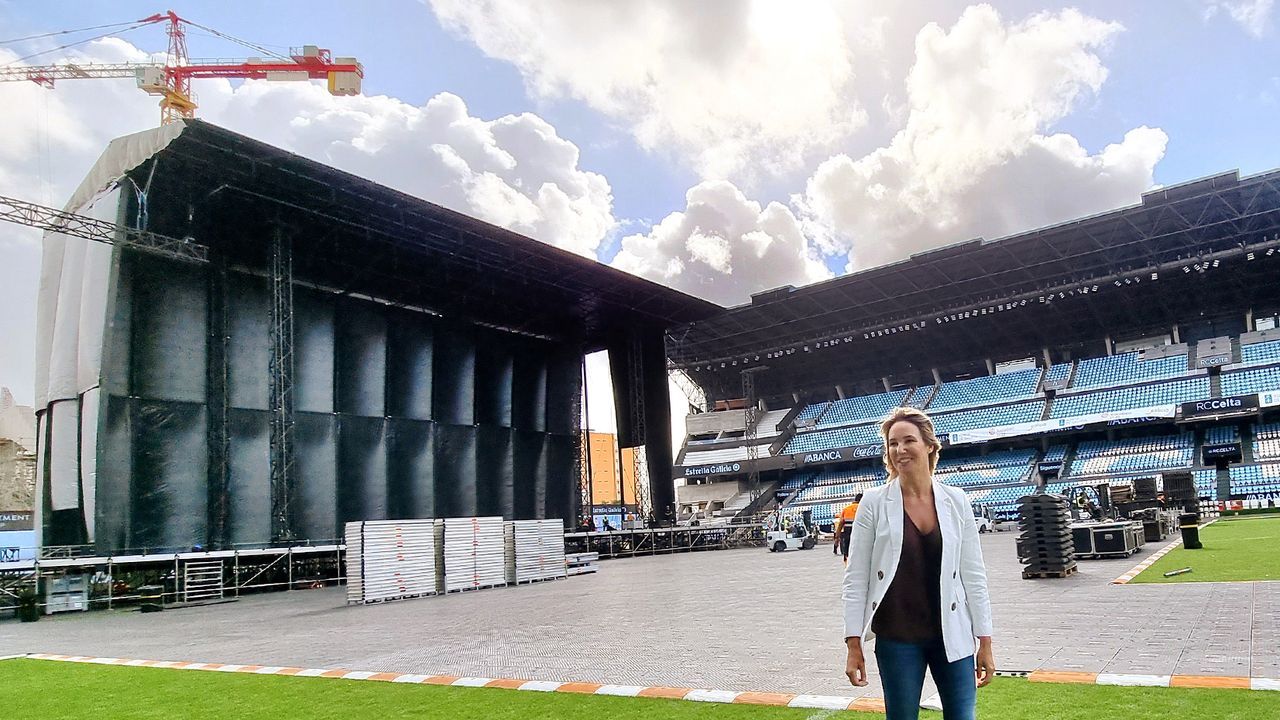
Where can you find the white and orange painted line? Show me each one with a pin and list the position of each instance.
(1183, 681)
(822, 702)
(1148, 562)
(818, 702)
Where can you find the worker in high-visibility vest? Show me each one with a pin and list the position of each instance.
(844, 528)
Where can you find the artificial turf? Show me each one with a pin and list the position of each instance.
(47, 689)
(1245, 548)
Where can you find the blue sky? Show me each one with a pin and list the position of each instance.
(720, 147)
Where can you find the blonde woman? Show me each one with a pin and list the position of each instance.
(916, 582)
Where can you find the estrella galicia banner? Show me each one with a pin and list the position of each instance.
(733, 467)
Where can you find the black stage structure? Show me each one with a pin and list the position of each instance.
(331, 350)
(1195, 255)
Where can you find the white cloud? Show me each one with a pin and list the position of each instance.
(1252, 15)
(723, 247)
(733, 88)
(514, 171)
(973, 158)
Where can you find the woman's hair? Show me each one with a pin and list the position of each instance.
(923, 423)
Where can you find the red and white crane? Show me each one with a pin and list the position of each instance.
(172, 80)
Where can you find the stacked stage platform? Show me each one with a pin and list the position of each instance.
(1045, 546)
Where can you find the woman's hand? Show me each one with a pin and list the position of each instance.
(855, 667)
(985, 667)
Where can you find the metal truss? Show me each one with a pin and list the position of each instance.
(81, 226)
(282, 446)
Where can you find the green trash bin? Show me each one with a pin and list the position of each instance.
(152, 597)
(1189, 523)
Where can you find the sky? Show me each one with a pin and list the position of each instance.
(720, 147)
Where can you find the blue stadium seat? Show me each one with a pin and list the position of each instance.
(1257, 480)
(1267, 441)
(1099, 457)
(1263, 353)
(851, 411)
(986, 390)
(1244, 382)
(1055, 454)
(815, 441)
(1222, 434)
(988, 417)
(1125, 369)
(1061, 371)
(1130, 398)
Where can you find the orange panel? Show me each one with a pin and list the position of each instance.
(577, 687)
(1209, 681)
(868, 704)
(671, 693)
(764, 698)
(1053, 676)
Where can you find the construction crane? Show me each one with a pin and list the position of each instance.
(172, 80)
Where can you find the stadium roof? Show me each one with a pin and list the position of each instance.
(1149, 265)
(355, 236)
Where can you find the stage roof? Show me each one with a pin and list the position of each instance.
(354, 236)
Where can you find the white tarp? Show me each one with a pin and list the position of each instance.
(89, 405)
(71, 320)
(64, 455)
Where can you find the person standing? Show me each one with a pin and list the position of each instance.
(915, 581)
(844, 528)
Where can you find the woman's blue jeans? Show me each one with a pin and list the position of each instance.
(902, 668)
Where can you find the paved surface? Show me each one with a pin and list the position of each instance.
(733, 620)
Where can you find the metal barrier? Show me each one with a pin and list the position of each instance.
(660, 541)
(118, 579)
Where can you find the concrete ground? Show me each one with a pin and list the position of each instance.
(731, 620)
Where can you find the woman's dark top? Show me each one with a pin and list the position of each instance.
(912, 608)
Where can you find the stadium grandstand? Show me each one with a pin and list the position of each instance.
(1103, 350)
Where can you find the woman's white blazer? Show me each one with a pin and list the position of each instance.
(874, 551)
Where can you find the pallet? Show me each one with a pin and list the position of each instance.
(477, 587)
(1044, 574)
(394, 598)
(537, 580)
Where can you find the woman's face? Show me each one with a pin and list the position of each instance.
(906, 447)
